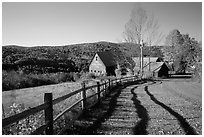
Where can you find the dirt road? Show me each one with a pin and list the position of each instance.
(170, 106)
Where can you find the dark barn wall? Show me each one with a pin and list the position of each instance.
(163, 71)
(110, 71)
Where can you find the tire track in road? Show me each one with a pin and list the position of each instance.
(184, 124)
(188, 105)
(141, 127)
(160, 122)
(119, 113)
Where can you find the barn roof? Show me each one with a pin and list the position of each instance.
(107, 58)
(146, 59)
(152, 59)
(154, 66)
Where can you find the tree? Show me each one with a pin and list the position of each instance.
(173, 41)
(141, 28)
(182, 50)
(136, 26)
(190, 52)
(153, 35)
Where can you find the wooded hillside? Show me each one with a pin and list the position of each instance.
(69, 58)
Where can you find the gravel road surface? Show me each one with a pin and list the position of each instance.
(162, 107)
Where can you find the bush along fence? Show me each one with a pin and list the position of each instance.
(47, 106)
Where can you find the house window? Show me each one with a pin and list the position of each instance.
(96, 58)
(94, 70)
(91, 70)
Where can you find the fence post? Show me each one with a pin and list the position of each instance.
(105, 89)
(98, 91)
(3, 111)
(49, 113)
(83, 96)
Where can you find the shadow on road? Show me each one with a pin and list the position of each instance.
(184, 124)
(91, 121)
(140, 128)
(96, 118)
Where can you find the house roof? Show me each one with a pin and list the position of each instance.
(107, 58)
(154, 66)
(145, 59)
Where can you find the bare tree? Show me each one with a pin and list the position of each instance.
(153, 36)
(142, 28)
(136, 26)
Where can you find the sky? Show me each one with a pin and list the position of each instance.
(65, 23)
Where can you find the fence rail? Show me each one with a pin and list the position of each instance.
(47, 106)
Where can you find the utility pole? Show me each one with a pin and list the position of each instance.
(149, 62)
(141, 58)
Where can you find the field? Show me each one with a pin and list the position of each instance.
(31, 97)
(16, 101)
(162, 107)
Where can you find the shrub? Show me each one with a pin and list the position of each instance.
(148, 75)
(85, 76)
(12, 80)
(16, 80)
(76, 76)
(90, 76)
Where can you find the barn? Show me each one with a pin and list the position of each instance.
(146, 61)
(158, 69)
(103, 64)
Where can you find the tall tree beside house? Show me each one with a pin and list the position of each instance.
(192, 50)
(135, 27)
(140, 29)
(189, 55)
(153, 35)
(173, 42)
(182, 50)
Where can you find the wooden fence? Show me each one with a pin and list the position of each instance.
(47, 106)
